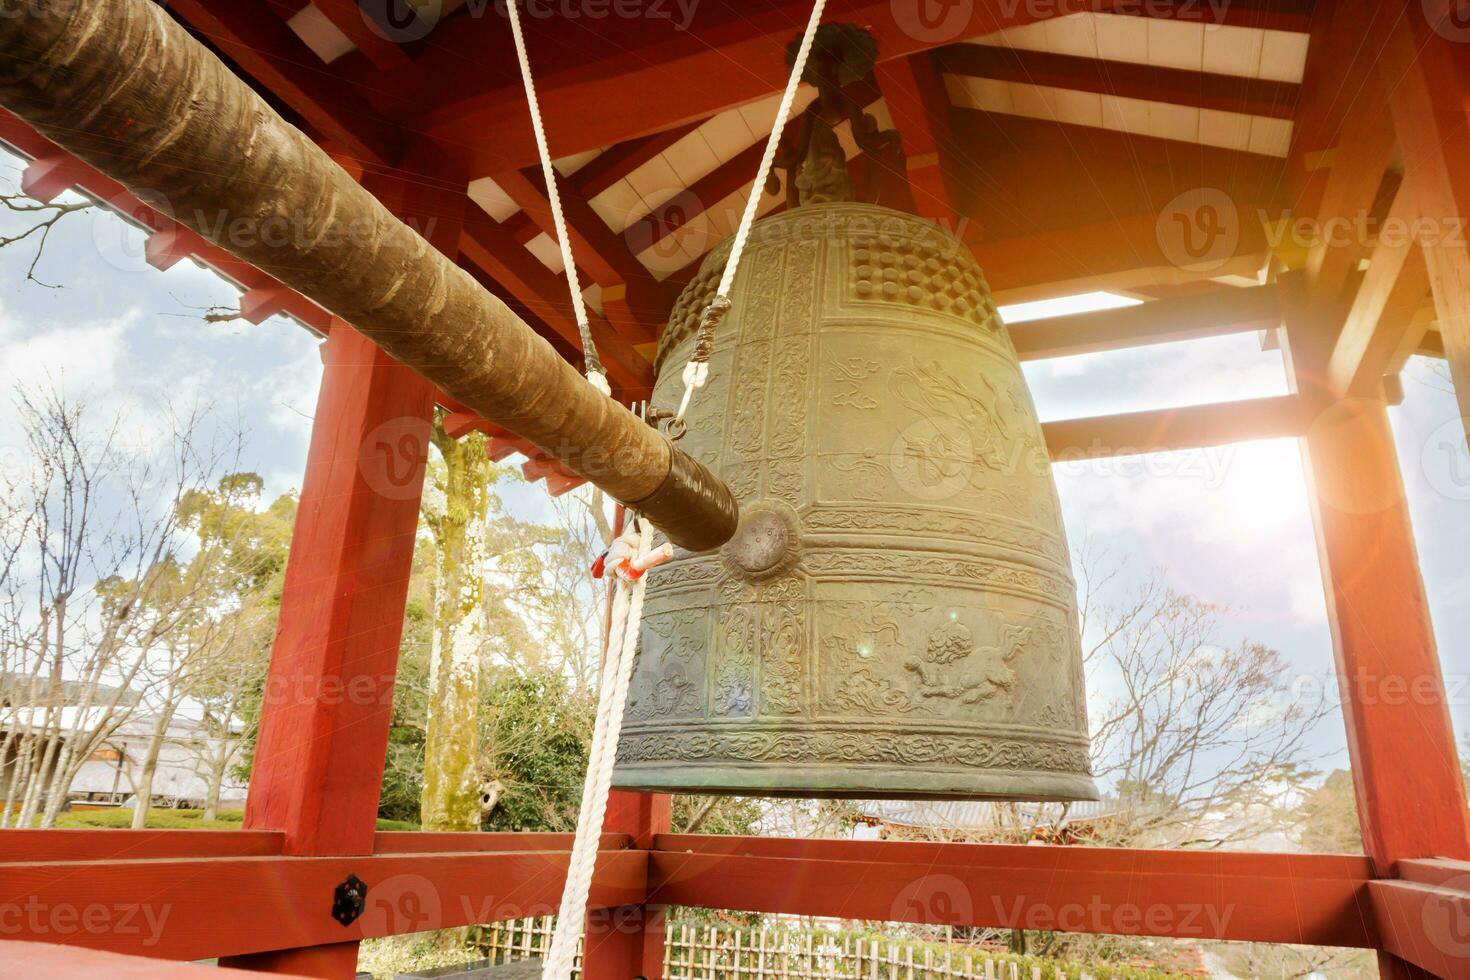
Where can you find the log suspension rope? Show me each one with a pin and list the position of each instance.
(595, 373)
(190, 133)
(627, 615)
(696, 371)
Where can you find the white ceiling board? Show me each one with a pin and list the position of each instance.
(691, 158)
(325, 38)
(619, 205)
(1233, 50)
(1176, 44)
(1075, 34)
(490, 197)
(1270, 136)
(1231, 130)
(1283, 56)
(547, 251)
(727, 134)
(655, 181)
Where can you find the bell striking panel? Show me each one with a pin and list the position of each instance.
(895, 616)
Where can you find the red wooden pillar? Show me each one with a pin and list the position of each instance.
(1406, 775)
(328, 701)
(1427, 70)
(628, 942)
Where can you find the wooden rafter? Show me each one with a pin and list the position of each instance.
(1385, 309)
(919, 108)
(262, 44)
(611, 100)
(1171, 429)
(500, 256)
(1212, 314)
(638, 304)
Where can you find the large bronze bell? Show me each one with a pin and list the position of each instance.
(895, 616)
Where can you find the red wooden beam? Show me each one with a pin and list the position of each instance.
(261, 44)
(494, 251)
(629, 941)
(1212, 314)
(1314, 899)
(919, 107)
(1205, 90)
(1092, 255)
(697, 73)
(1385, 307)
(639, 304)
(242, 909)
(48, 961)
(132, 845)
(55, 166)
(328, 696)
(1424, 65)
(1170, 429)
(1422, 917)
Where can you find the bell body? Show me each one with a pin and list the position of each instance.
(895, 616)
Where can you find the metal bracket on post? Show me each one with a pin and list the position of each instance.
(349, 899)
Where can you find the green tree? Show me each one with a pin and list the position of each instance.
(456, 506)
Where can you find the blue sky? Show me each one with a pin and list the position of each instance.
(1229, 525)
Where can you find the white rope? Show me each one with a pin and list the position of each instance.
(612, 700)
(696, 371)
(595, 374)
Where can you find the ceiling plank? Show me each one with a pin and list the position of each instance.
(351, 20)
(1150, 83)
(616, 162)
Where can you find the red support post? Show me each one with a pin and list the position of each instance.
(628, 942)
(329, 695)
(1406, 773)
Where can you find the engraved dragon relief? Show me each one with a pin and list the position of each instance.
(968, 424)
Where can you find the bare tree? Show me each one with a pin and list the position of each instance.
(90, 533)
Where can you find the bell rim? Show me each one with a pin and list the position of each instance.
(858, 782)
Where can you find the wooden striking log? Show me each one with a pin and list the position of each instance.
(122, 86)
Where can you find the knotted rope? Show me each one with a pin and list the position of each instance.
(617, 671)
(595, 372)
(696, 371)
